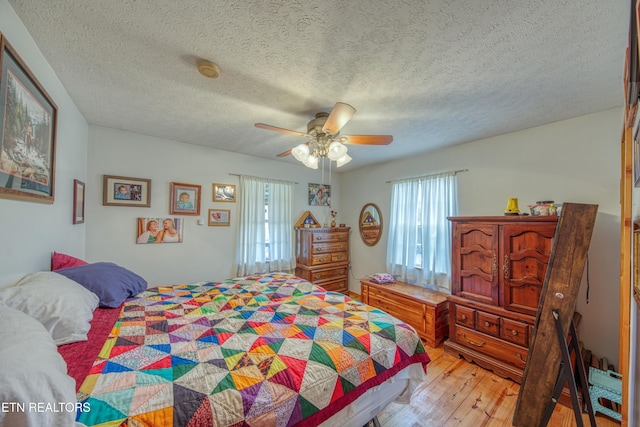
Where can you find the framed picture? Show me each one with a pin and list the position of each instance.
(78, 202)
(27, 132)
(160, 230)
(184, 199)
(219, 217)
(125, 191)
(319, 195)
(224, 193)
(636, 152)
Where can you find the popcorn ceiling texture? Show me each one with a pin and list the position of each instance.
(431, 73)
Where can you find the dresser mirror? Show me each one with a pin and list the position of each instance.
(370, 224)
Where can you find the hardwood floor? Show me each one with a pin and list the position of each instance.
(459, 393)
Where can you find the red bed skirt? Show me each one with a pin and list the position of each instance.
(81, 355)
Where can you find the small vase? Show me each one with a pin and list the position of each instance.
(333, 222)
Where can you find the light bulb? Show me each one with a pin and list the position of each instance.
(301, 152)
(336, 151)
(311, 162)
(343, 160)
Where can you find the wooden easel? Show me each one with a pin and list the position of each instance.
(559, 295)
(565, 375)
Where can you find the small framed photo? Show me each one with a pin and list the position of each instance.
(319, 195)
(78, 202)
(184, 199)
(28, 121)
(125, 191)
(160, 230)
(224, 193)
(219, 217)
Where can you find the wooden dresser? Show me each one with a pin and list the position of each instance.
(426, 310)
(498, 268)
(322, 257)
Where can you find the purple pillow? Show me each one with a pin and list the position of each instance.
(110, 282)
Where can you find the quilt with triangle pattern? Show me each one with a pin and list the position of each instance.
(264, 350)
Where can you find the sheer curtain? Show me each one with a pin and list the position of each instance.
(419, 244)
(255, 232)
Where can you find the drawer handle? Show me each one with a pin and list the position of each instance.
(477, 344)
(487, 324)
(520, 357)
(463, 317)
(320, 259)
(339, 257)
(317, 276)
(341, 273)
(341, 247)
(318, 238)
(514, 332)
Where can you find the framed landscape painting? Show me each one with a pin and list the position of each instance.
(27, 132)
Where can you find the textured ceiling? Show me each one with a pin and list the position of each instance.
(432, 73)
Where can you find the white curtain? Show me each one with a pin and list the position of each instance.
(419, 244)
(253, 227)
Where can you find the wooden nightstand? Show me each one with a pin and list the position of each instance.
(426, 310)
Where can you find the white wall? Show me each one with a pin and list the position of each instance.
(207, 253)
(31, 231)
(575, 160)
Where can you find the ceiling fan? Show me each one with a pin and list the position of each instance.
(325, 139)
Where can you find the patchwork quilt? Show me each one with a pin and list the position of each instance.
(267, 350)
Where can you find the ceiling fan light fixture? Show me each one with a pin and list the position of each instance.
(336, 150)
(311, 162)
(343, 160)
(301, 152)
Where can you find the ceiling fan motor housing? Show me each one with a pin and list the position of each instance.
(314, 127)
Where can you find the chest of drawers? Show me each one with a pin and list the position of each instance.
(426, 310)
(322, 257)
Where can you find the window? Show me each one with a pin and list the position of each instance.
(419, 245)
(265, 235)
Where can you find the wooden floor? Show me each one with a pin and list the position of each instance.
(459, 393)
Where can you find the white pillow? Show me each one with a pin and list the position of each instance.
(34, 375)
(63, 306)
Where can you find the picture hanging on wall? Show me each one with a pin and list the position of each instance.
(160, 230)
(78, 202)
(185, 199)
(319, 195)
(224, 193)
(219, 217)
(27, 132)
(125, 191)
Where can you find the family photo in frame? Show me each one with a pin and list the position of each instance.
(185, 199)
(160, 230)
(319, 195)
(126, 191)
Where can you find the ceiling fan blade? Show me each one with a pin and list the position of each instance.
(339, 117)
(367, 139)
(283, 130)
(285, 154)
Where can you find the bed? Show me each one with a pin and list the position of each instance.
(263, 350)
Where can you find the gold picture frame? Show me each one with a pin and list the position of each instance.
(224, 193)
(219, 217)
(28, 137)
(126, 191)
